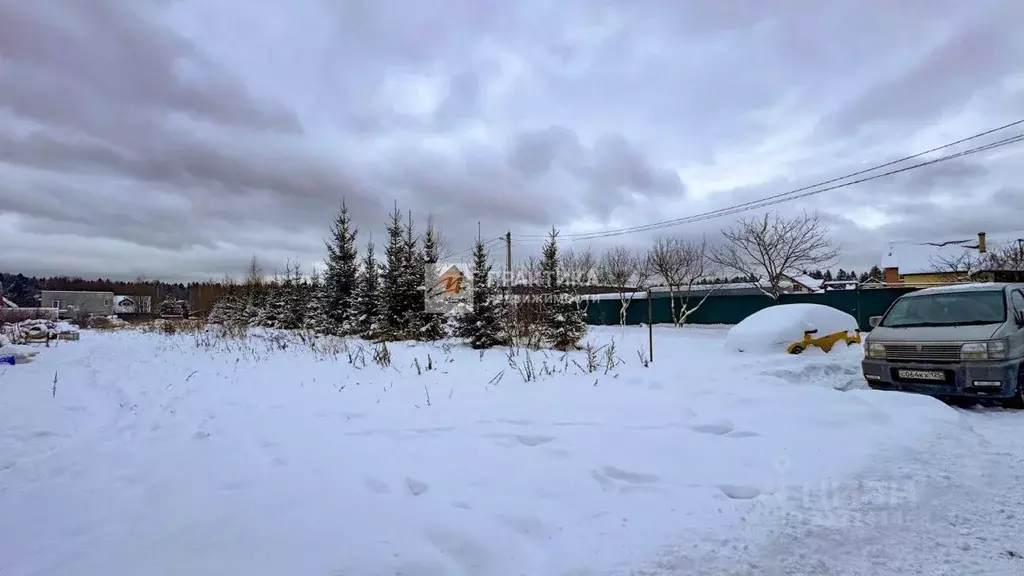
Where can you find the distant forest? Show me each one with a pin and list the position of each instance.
(25, 290)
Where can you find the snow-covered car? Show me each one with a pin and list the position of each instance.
(792, 328)
(957, 342)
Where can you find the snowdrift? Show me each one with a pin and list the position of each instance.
(775, 328)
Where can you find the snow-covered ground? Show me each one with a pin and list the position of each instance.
(134, 453)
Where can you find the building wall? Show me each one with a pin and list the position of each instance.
(930, 278)
(71, 303)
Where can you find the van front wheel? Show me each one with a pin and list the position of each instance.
(1017, 402)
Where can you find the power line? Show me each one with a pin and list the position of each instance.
(807, 190)
(470, 249)
(771, 201)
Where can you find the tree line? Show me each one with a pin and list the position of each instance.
(25, 291)
(384, 299)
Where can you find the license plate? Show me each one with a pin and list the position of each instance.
(922, 375)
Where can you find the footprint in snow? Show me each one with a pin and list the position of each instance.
(417, 487)
(377, 486)
(533, 440)
(629, 477)
(624, 481)
(743, 434)
(717, 429)
(516, 422)
(740, 491)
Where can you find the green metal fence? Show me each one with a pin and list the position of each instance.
(731, 309)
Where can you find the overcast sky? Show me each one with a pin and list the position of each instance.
(175, 139)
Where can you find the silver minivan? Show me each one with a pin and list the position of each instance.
(958, 342)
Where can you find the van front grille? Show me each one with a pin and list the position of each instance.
(923, 352)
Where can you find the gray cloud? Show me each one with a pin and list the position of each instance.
(176, 139)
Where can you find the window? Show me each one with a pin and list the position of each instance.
(56, 304)
(106, 301)
(964, 308)
(1018, 300)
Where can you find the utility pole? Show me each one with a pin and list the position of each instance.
(508, 262)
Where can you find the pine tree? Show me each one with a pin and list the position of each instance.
(565, 323)
(315, 318)
(228, 310)
(481, 324)
(340, 279)
(841, 275)
(433, 323)
(412, 283)
(291, 300)
(367, 298)
(269, 314)
(254, 294)
(392, 307)
(827, 277)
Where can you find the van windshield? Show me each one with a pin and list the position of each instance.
(948, 309)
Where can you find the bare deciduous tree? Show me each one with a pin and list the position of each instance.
(578, 266)
(959, 267)
(771, 247)
(681, 263)
(964, 266)
(628, 271)
(1009, 256)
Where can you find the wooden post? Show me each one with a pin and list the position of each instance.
(508, 262)
(650, 325)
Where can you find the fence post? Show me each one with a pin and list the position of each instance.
(650, 326)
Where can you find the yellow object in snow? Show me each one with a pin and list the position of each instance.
(825, 342)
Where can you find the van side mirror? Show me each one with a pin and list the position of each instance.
(1019, 316)
(874, 321)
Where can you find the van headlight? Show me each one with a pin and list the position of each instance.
(875, 350)
(994, 350)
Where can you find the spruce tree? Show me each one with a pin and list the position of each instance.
(565, 322)
(875, 274)
(412, 283)
(273, 307)
(433, 323)
(481, 323)
(254, 294)
(340, 279)
(228, 310)
(315, 318)
(367, 298)
(392, 286)
(291, 300)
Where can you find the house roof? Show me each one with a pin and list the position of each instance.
(812, 284)
(920, 257)
(8, 304)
